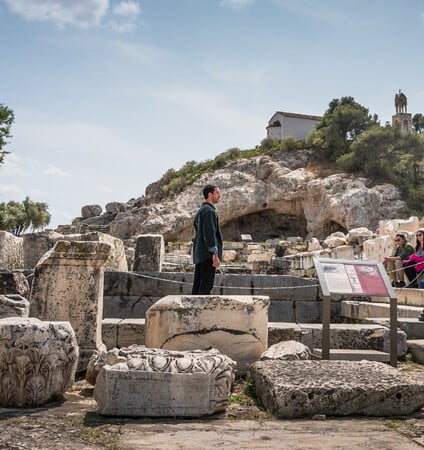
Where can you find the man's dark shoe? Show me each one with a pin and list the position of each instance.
(400, 284)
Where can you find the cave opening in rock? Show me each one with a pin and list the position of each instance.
(265, 225)
(332, 227)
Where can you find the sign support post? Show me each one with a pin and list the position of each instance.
(353, 277)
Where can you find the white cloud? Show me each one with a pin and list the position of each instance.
(10, 189)
(236, 4)
(147, 55)
(207, 104)
(55, 171)
(127, 9)
(79, 13)
(125, 16)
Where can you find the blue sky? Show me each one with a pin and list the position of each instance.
(109, 94)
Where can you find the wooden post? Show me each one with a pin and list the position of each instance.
(326, 317)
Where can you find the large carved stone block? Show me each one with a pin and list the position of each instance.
(37, 361)
(68, 285)
(293, 389)
(138, 381)
(235, 325)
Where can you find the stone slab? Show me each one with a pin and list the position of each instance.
(295, 389)
(356, 310)
(355, 355)
(413, 327)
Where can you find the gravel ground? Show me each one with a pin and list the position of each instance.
(75, 424)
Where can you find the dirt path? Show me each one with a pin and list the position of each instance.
(75, 424)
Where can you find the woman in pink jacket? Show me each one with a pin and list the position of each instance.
(415, 264)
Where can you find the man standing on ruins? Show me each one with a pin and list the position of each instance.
(207, 244)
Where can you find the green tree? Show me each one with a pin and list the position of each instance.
(17, 217)
(7, 118)
(418, 123)
(343, 122)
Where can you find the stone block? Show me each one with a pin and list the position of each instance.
(234, 284)
(149, 252)
(359, 310)
(159, 383)
(68, 285)
(278, 332)
(110, 332)
(13, 305)
(285, 287)
(127, 307)
(295, 389)
(37, 361)
(11, 251)
(416, 349)
(131, 332)
(287, 351)
(35, 245)
(13, 282)
(235, 325)
(282, 311)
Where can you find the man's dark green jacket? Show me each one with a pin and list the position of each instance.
(208, 237)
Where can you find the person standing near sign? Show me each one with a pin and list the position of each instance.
(414, 265)
(394, 264)
(207, 244)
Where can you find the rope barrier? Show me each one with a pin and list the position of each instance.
(227, 287)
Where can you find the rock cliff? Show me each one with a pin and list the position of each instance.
(266, 197)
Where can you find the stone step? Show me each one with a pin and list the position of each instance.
(413, 327)
(358, 310)
(355, 355)
(405, 296)
(416, 349)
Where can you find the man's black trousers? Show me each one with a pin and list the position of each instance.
(204, 276)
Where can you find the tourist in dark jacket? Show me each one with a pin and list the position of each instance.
(207, 244)
(394, 263)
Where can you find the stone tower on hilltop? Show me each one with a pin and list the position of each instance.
(402, 118)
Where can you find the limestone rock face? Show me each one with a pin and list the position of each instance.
(139, 381)
(265, 197)
(37, 361)
(88, 211)
(294, 389)
(11, 251)
(235, 325)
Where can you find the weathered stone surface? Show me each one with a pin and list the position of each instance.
(294, 389)
(35, 245)
(68, 285)
(88, 211)
(235, 325)
(287, 351)
(11, 251)
(37, 361)
(149, 253)
(13, 305)
(12, 282)
(115, 207)
(137, 381)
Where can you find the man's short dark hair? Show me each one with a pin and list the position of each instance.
(208, 188)
(401, 235)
